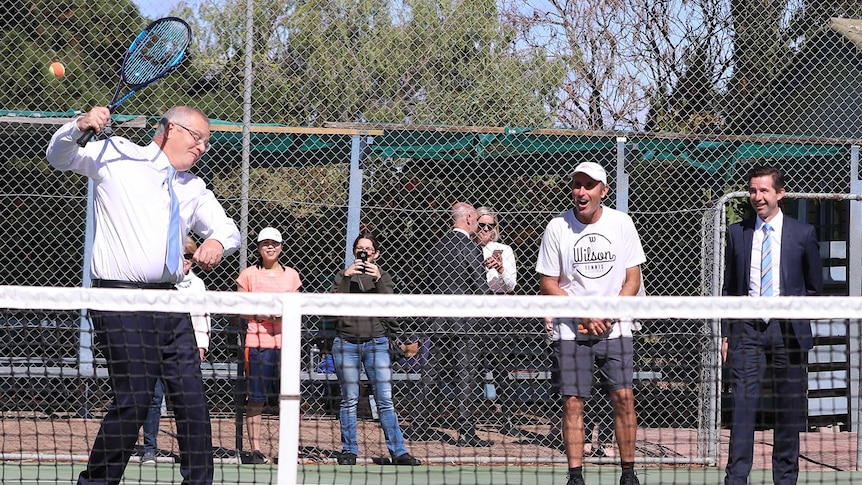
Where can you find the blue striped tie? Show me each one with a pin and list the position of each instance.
(766, 262)
(172, 258)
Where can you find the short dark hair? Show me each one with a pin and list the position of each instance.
(367, 235)
(765, 170)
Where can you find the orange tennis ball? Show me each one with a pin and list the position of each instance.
(57, 69)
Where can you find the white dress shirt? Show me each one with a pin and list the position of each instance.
(131, 206)
(777, 224)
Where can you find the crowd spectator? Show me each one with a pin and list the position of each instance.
(263, 336)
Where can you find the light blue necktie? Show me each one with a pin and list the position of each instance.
(172, 260)
(766, 262)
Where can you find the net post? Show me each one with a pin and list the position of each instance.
(288, 427)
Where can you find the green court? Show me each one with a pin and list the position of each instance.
(64, 473)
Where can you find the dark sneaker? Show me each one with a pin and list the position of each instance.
(346, 459)
(576, 480)
(149, 457)
(406, 459)
(629, 479)
(258, 458)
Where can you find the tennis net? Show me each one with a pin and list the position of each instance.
(56, 389)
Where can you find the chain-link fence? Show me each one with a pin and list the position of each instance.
(333, 116)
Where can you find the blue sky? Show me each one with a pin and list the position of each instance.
(156, 8)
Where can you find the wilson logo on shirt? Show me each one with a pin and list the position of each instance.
(593, 256)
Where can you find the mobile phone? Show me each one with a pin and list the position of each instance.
(362, 256)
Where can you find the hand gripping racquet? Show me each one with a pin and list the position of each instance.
(153, 54)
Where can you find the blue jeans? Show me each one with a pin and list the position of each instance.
(151, 425)
(372, 355)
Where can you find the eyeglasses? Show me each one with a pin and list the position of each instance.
(199, 139)
(484, 226)
(188, 256)
(367, 250)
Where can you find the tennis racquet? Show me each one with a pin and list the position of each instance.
(153, 54)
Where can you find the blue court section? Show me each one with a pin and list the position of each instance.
(64, 473)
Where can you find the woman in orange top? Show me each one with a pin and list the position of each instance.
(263, 337)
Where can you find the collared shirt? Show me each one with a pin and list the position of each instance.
(131, 206)
(777, 224)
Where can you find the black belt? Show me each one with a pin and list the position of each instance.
(357, 340)
(132, 285)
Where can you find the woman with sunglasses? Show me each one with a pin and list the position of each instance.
(363, 342)
(502, 278)
(263, 337)
(499, 258)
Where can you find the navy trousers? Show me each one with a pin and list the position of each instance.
(139, 348)
(754, 346)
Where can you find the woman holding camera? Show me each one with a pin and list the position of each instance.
(363, 342)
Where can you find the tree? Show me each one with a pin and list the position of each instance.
(419, 61)
(643, 63)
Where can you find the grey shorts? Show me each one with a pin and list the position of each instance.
(613, 360)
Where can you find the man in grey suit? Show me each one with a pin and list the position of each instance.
(455, 268)
(768, 255)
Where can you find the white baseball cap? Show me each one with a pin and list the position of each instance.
(269, 233)
(592, 170)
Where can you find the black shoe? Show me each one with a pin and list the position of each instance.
(346, 459)
(258, 458)
(406, 459)
(418, 432)
(576, 480)
(470, 439)
(629, 479)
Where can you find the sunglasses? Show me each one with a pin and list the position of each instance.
(486, 227)
(188, 256)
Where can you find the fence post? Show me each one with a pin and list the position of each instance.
(854, 288)
(354, 195)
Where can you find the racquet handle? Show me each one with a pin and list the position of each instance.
(86, 137)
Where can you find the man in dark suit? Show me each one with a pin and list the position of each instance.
(455, 268)
(768, 255)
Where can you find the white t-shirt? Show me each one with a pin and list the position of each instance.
(590, 260)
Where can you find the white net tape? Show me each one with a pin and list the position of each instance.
(452, 306)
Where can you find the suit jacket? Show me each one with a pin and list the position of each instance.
(456, 268)
(456, 265)
(801, 269)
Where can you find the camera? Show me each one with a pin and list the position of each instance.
(362, 256)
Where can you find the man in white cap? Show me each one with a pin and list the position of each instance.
(593, 250)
